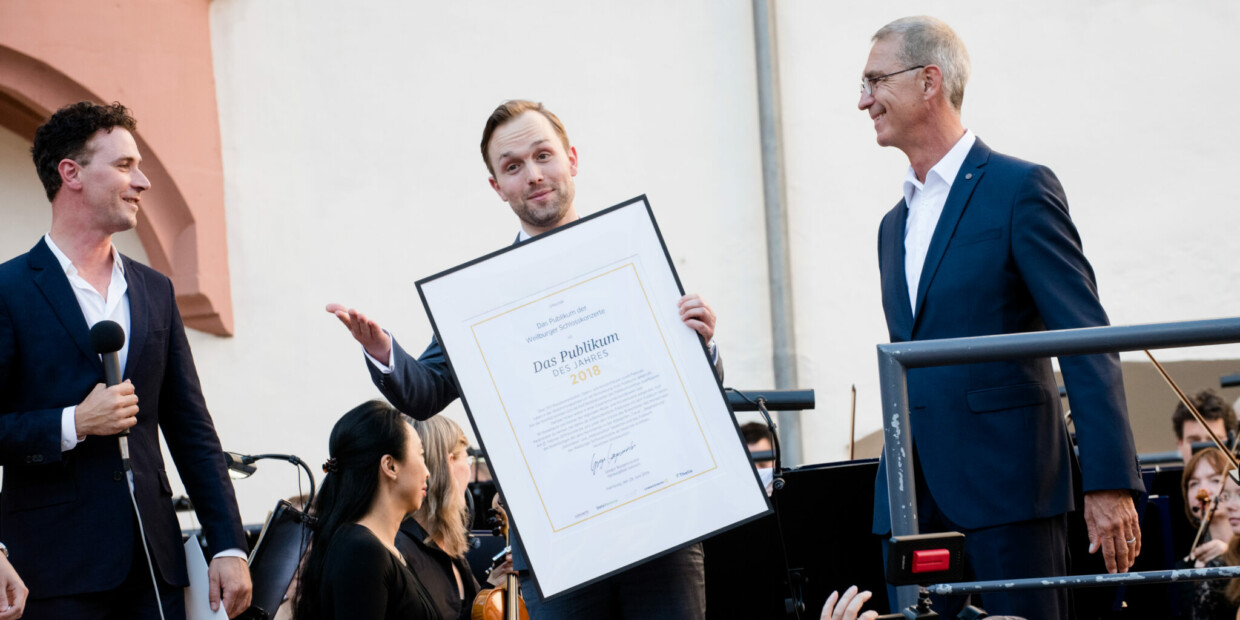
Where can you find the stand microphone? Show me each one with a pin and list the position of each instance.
(107, 338)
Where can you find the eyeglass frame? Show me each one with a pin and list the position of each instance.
(867, 84)
(1230, 495)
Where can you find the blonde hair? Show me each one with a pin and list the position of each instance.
(443, 514)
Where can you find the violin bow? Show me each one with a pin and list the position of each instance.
(852, 429)
(1207, 512)
(1233, 466)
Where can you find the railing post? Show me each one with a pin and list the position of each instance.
(898, 450)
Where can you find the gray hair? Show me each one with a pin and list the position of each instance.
(928, 41)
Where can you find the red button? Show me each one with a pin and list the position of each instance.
(931, 560)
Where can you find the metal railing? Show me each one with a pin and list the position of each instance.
(895, 359)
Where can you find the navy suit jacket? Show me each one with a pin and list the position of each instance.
(66, 516)
(990, 437)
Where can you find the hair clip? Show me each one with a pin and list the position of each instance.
(331, 465)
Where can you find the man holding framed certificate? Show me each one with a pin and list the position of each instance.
(532, 165)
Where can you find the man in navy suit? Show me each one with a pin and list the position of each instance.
(66, 513)
(982, 244)
(532, 165)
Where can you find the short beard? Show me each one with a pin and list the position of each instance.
(548, 217)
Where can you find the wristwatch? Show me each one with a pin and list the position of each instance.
(4, 550)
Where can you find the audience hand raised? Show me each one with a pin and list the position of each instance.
(847, 606)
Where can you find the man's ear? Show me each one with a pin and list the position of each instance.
(70, 174)
(495, 186)
(572, 160)
(931, 82)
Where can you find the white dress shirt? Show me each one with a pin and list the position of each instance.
(925, 204)
(96, 308)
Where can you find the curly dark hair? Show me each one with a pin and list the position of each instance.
(1210, 405)
(65, 134)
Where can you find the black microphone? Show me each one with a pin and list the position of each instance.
(107, 338)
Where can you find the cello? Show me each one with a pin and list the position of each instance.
(502, 602)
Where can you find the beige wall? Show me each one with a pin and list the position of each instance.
(351, 169)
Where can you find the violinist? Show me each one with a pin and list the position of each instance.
(1201, 485)
(435, 538)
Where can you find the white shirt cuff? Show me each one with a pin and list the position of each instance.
(383, 368)
(230, 553)
(68, 429)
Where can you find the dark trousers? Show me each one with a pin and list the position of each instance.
(133, 599)
(672, 587)
(1037, 548)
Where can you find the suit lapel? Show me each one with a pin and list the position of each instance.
(967, 179)
(895, 284)
(54, 285)
(138, 315)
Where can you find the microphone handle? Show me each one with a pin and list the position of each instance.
(112, 376)
(126, 465)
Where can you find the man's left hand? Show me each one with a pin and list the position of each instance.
(230, 581)
(1111, 520)
(696, 314)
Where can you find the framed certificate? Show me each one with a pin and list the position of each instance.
(598, 408)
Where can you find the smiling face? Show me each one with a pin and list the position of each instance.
(110, 181)
(895, 104)
(534, 172)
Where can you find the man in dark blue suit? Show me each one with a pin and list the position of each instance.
(66, 513)
(982, 244)
(532, 166)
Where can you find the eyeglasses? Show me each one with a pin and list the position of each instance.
(1227, 497)
(867, 84)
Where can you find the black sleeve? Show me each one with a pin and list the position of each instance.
(418, 387)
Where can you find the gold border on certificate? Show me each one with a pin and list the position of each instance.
(671, 358)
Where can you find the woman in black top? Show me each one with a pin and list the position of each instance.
(375, 477)
(435, 538)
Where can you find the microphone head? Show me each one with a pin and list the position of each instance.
(107, 337)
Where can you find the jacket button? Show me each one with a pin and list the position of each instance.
(118, 476)
(38, 458)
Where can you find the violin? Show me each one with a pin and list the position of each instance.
(503, 602)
